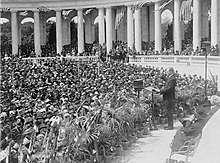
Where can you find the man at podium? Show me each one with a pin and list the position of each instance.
(168, 92)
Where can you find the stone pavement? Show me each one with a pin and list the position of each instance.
(153, 148)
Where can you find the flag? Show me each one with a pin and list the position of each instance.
(65, 13)
(43, 9)
(119, 17)
(25, 13)
(87, 11)
(164, 5)
(186, 11)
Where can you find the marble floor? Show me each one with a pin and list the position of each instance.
(153, 148)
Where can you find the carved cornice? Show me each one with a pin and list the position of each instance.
(66, 4)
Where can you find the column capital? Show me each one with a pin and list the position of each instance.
(109, 7)
(57, 10)
(35, 10)
(101, 8)
(79, 9)
(13, 11)
(158, 2)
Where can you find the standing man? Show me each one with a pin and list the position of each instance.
(168, 93)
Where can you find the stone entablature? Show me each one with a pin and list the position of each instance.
(66, 4)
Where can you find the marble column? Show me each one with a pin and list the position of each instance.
(177, 26)
(196, 24)
(214, 22)
(158, 32)
(109, 28)
(101, 26)
(130, 27)
(137, 30)
(80, 30)
(37, 48)
(59, 31)
(14, 32)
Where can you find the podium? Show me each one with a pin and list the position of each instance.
(138, 86)
(152, 90)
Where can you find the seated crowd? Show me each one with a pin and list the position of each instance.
(33, 93)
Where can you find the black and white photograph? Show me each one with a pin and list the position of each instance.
(109, 81)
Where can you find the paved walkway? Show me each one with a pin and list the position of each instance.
(153, 148)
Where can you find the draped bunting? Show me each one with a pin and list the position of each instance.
(139, 5)
(24, 13)
(65, 13)
(43, 9)
(186, 11)
(164, 4)
(87, 11)
(119, 17)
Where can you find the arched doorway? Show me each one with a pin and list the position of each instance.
(26, 37)
(167, 28)
(51, 34)
(27, 31)
(6, 48)
(73, 31)
(96, 25)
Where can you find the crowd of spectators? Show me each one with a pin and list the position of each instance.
(31, 94)
(119, 50)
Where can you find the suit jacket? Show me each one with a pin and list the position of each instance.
(187, 133)
(195, 128)
(169, 89)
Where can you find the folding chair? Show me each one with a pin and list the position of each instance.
(188, 149)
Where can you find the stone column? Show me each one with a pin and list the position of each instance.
(101, 26)
(109, 28)
(214, 22)
(37, 48)
(80, 30)
(177, 26)
(14, 32)
(130, 27)
(158, 32)
(196, 24)
(137, 33)
(59, 31)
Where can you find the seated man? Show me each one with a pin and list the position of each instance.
(191, 129)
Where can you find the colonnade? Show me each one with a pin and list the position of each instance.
(134, 33)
